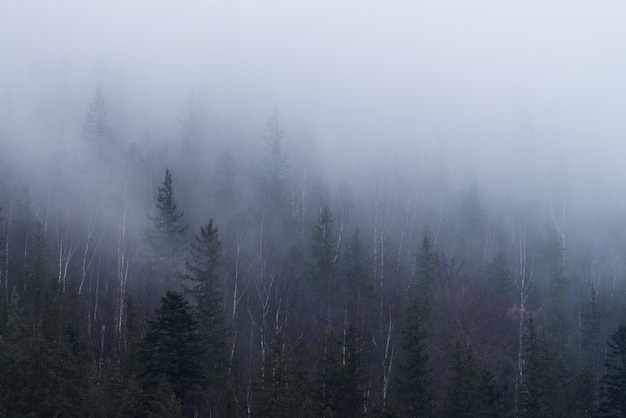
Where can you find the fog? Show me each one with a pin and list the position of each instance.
(475, 77)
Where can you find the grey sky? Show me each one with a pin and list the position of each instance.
(389, 74)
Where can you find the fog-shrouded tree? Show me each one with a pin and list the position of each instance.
(473, 228)
(535, 386)
(276, 168)
(357, 273)
(96, 131)
(202, 280)
(165, 239)
(425, 272)
(225, 191)
(413, 381)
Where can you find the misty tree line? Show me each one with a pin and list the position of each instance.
(187, 280)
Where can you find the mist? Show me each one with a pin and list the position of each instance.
(492, 130)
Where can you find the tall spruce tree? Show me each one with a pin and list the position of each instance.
(173, 348)
(165, 239)
(324, 251)
(343, 375)
(275, 171)
(472, 391)
(534, 387)
(203, 283)
(413, 380)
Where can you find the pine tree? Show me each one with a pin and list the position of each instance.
(583, 402)
(165, 239)
(271, 393)
(425, 272)
(96, 132)
(499, 274)
(472, 392)
(173, 347)
(343, 375)
(357, 272)
(413, 380)
(324, 251)
(534, 388)
(203, 282)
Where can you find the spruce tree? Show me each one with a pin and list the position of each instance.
(413, 381)
(165, 239)
(472, 392)
(275, 172)
(203, 283)
(173, 347)
(534, 387)
(343, 375)
(324, 251)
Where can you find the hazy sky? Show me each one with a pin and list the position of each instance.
(470, 74)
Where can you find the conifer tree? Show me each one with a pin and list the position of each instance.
(413, 380)
(534, 388)
(324, 250)
(173, 347)
(165, 239)
(472, 392)
(271, 394)
(203, 283)
(275, 170)
(343, 375)
(356, 271)
(96, 132)
(425, 272)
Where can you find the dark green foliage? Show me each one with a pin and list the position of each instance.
(271, 394)
(300, 400)
(472, 391)
(203, 283)
(113, 394)
(132, 338)
(583, 395)
(228, 407)
(614, 390)
(343, 375)
(42, 372)
(163, 402)
(413, 381)
(173, 348)
(533, 398)
(284, 387)
(164, 239)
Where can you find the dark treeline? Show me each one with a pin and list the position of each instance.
(193, 277)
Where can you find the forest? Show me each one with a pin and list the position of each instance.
(312, 209)
(175, 279)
